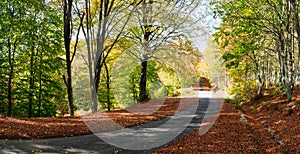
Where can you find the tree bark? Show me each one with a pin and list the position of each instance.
(295, 9)
(11, 70)
(97, 59)
(147, 33)
(288, 57)
(67, 39)
(107, 87)
(31, 83)
(40, 88)
(260, 79)
(143, 82)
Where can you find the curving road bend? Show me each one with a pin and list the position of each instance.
(140, 139)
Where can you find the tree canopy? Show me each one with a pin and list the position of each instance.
(61, 56)
(259, 42)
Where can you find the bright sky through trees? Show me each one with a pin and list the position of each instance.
(206, 26)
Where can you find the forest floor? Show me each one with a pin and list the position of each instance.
(41, 128)
(268, 125)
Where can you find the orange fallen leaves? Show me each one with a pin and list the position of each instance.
(230, 135)
(37, 128)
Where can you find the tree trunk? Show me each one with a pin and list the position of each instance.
(288, 58)
(267, 70)
(260, 89)
(87, 36)
(67, 39)
(96, 81)
(286, 78)
(100, 40)
(143, 82)
(31, 84)
(11, 59)
(40, 88)
(295, 7)
(107, 87)
(280, 63)
(70, 90)
(259, 75)
(147, 33)
(11, 70)
(134, 91)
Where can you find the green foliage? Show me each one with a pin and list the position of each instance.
(30, 56)
(241, 46)
(106, 98)
(213, 67)
(242, 86)
(259, 39)
(231, 101)
(235, 102)
(162, 81)
(153, 81)
(253, 108)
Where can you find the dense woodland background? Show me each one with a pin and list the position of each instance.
(260, 44)
(62, 56)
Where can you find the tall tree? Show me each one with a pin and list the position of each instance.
(271, 35)
(30, 60)
(68, 29)
(158, 23)
(10, 16)
(102, 21)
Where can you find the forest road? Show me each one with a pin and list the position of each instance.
(153, 133)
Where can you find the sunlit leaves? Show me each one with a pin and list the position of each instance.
(35, 30)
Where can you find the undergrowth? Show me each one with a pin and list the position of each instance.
(236, 103)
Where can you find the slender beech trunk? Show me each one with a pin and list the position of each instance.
(286, 78)
(40, 86)
(288, 58)
(267, 72)
(101, 33)
(97, 59)
(31, 83)
(147, 33)
(107, 87)
(280, 63)
(285, 71)
(87, 35)
(11, 61)
(70, 57)
(134, 91)
(295, 7)
(11, 70)
(260, 79)
(143, 82)
(67, 39)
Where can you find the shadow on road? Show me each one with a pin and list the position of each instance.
(205, 111)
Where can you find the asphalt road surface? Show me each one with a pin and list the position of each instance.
(144, 138)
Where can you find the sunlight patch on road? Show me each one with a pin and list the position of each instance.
(189, 92)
